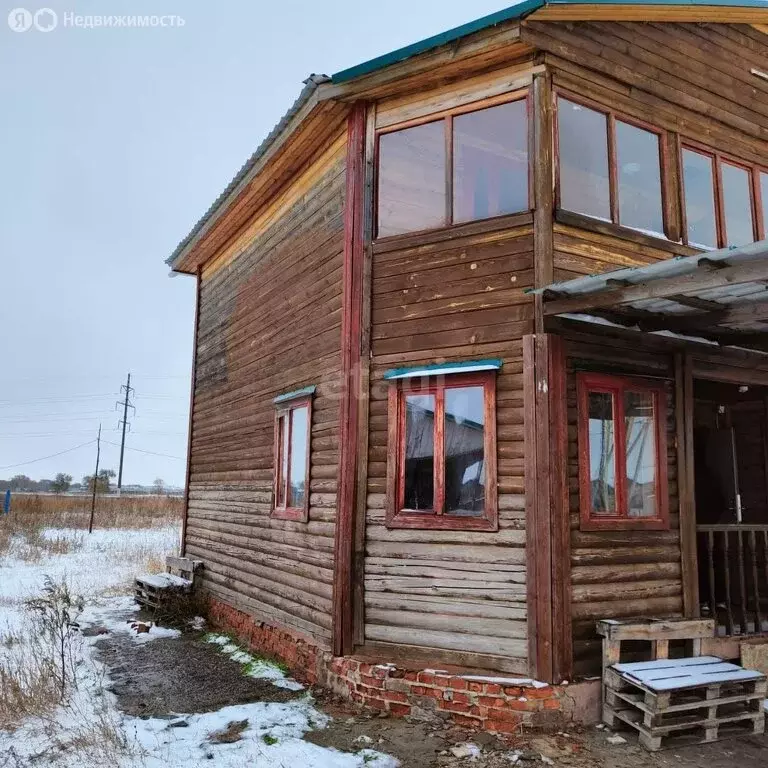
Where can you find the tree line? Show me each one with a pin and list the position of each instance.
(62, 483)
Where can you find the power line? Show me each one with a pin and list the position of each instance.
(52, 456)
(139, 450)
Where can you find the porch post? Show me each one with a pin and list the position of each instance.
(686, 483)
(547, 508)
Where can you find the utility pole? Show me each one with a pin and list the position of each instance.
(95, 481)
(127, 388)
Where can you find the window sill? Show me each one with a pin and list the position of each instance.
(295, 514)
(580, 221)
(395, 242)
(442, 523)
(624, 524)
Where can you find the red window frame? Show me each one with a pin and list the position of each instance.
(612, 116)
(446, 116)
(396, 515)
(283, 427)
(617, 386)
(718, 192)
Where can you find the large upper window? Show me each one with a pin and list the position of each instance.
(622, 452)
(724, 200)
(442, 470)
(609, 168)
(293, 421)
(459, 168)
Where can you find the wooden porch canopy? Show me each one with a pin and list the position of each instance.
(718, 298)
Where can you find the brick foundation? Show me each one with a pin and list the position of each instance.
(495, 704)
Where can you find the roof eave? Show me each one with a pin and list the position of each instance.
(303, 106)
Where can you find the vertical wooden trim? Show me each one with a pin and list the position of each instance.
(537, 433)
(671, 187)
(686, 483)
(394, 432)
(613, 170)
(532, 553)
(199, 280)
(543, 188)
(449, 170)
(350, 361)
(438, 448)
(562, 642)
(361, 504)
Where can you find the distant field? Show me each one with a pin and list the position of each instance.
(51, 511)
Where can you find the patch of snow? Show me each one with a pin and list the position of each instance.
(255, 667)
(515, 682)
(283, 725)
(472, 751)
(113, 615)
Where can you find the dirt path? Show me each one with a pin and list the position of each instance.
(188, 675)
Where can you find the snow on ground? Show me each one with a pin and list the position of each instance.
(88, 730)
(252, 666)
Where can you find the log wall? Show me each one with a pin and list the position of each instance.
(269, 322)
(619, 573)
(459, 595)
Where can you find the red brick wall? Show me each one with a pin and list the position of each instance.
(495, 704)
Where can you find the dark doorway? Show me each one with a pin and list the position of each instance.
(731, 475)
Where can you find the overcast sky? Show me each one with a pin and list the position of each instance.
(113, 142)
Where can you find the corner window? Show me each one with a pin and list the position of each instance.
(622, 453)
(461, 167)
(442, 453)
(609, 168)
(723, 200)
(293, 420)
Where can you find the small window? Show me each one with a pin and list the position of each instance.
(462, 167)
(293, 420)
(763, 190)
(609, 168)
(722, 200)
(622, 453)
(442, 453)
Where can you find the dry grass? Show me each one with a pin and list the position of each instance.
(21, 531)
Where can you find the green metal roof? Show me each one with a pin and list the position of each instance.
(512, 13)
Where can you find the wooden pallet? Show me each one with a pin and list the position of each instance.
(153, 590)
(673, 702)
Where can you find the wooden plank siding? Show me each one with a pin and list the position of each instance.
(618, 573)
(287, 276)
(459, 595)
(692, 79)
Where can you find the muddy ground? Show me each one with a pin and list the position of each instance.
(187, 675)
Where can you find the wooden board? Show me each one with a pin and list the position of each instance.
(678, 674)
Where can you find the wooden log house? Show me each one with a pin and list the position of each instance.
(431, 423)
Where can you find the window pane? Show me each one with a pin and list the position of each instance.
(737, 204)
(699, 199)
(299, 426)
(412, 179)
(282, 479)
(602, 453)
(639, 173)
(764, 197)
(639, 422)
(583, 140)
(419, 452)
(490, 162)
(464, 451)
